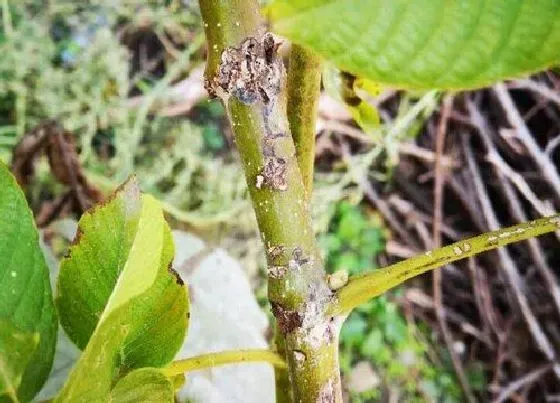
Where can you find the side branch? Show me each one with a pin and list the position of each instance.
(223, 358)
(366, 286)
(304, 87)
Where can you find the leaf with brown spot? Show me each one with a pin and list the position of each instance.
(117, 299)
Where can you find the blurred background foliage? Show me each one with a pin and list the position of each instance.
(107, 70)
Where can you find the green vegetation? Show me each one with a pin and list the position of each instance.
(117, 298)
(106, 304)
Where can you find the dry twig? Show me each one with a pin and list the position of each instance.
(438, 217)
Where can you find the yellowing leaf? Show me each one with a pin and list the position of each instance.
(145, 251)
(343, 87)
(117, 298)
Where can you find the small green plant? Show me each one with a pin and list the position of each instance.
(117, 298)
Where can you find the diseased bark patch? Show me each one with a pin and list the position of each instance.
(274, 173)
(274, 252)
(287, 320)
(277, 272)
(251, 72)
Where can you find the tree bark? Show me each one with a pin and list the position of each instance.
(246, 73)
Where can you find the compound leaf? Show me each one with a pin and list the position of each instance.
(425, 44)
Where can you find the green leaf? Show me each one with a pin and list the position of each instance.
(421, 44)
(116, 297)
(25, 292)
(143, 385)
(16, 349)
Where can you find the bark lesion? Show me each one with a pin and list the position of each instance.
(246, 72)
(288, 320)
(251, 72)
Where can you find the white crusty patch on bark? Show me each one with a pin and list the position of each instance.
(251, 72)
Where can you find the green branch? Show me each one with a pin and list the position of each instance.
(281, 377)
(366, 286)
(223, 358)
(303, 90)
(304, 87)
(246, 73)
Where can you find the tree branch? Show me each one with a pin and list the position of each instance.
(223, 357)
(304, 87)
(246, 73)
(366, 286)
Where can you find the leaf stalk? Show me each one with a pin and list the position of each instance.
(223, 358)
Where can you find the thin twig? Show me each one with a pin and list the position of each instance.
(303, 85)
(534, 247)
(409, 211)
(551, 146)
(503, 170)
(373, 196)
(508, 264)
(405, 148)
(480, 123)
(436, 235)
(365, 286)
(546, 167)
(537, 87)
(468, 202)
(419, 298)
(483, 298)
(221, 358)
(519, 383)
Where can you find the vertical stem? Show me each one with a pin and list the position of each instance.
(304, 87)
(245, 71)
(7, 19)
(281, 376)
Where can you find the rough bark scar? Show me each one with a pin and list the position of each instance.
(252, 72)
(274, 252)
(287, 320)
(274, 173)
(277, 272)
